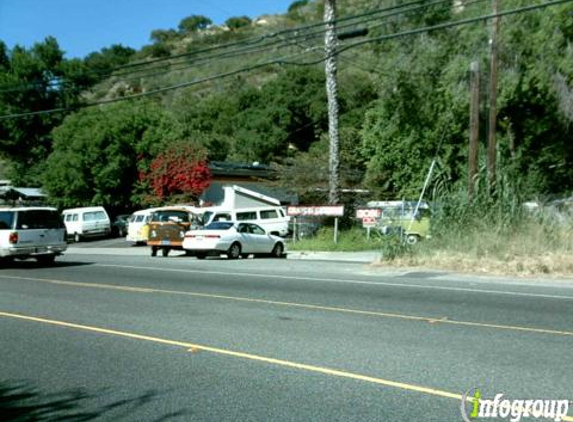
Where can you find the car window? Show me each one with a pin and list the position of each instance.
(256, 229)
(68, 217)
(266, 214)
(250, 215)
(139, 218)
(38, 219)
(244, 228)
(75, 217)
(6, 219)
(220, 225)
(173, 216)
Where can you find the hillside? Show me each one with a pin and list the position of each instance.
(254, 91)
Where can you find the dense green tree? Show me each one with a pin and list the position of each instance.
(35, 79)
(96, 153)
(238, 22)
(194, 23)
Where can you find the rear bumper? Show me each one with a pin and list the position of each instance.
(28, 251)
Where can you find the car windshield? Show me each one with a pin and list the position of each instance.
(170, 215)
(219, 225)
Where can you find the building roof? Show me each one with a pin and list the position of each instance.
(22, 193)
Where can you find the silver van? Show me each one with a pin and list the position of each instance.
(31, 232)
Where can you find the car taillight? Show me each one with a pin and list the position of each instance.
(212, 236)
(190, 236)
(13, 238)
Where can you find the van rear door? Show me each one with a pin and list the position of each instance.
(39, 229)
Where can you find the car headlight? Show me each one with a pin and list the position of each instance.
(153, 233)
(181, 234)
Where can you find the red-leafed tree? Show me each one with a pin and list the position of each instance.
(179, 171)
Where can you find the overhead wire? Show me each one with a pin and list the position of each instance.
(307, 63)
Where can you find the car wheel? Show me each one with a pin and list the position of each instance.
(165, 251)
(278, 250)
(412, 239)
(154, 251)
(200, 256)
(77, 237)
(234, 251)
(46, 259)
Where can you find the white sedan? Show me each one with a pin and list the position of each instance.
(233, 239)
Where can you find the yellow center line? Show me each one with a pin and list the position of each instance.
(242, 355)
(432, 320)
(192, 347)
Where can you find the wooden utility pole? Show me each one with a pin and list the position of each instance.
(474, 129)
(492, 120)
(330, 42)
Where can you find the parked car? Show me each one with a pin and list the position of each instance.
(31, 232)
(120, 224)
(86, 222)
(235, 239)
(138, 229)
(168, 226)
(407, 219)
(271, 219)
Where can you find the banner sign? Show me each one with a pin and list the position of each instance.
(368, 213)
(315, 210)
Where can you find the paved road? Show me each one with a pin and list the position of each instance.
(151, 339)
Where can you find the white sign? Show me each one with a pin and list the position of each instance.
(368, 212)
(315, 210)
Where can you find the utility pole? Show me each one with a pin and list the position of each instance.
(492, 120)
(474, 129)
(330, 42)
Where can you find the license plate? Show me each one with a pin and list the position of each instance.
(40, 250)
(166, 242)
(199, 237)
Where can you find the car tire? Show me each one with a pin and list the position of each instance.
(154, 251)
(200, 256)
(77, 238)
(46, 259)
(278, 250)
(412, 239)
(165, 251)
(234, 251)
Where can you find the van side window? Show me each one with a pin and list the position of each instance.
(75, 217)
(6, 219)
(222, 217)
(265, 215)
(242, 216)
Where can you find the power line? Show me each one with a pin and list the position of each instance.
(371, 14)
(308, 63)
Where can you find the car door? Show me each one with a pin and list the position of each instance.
(246, 238)
(263, 242)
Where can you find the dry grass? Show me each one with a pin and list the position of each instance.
(531, 248)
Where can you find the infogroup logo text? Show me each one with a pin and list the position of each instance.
(514, 410)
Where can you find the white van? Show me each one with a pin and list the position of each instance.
(273, 219)
(31, 232)
(138, 228)
(86, 222)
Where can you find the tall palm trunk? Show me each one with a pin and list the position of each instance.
(332, 95)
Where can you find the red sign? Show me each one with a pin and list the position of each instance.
(368, 222)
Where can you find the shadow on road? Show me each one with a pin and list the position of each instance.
(21, 403)
(33, 264)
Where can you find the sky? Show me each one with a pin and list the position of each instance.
(85, 26)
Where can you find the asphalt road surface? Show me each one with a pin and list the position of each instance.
(135, 338)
